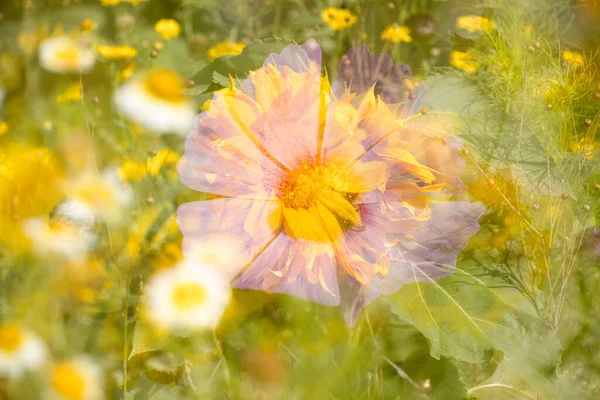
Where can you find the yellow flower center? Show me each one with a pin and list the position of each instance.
(318, 203)
(188, 295)
(68, 381)
(69, 55)
(11, 338)
(165, 85)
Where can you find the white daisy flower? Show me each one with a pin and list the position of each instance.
(20, 350)
(103, 195)
(187, 297)
(75, 212)
(63, 54)
(156, 101)
(54, 236)
(220, 251)
(76, 379)
(58, 237)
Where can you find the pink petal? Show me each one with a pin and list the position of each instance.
(295, 267)
(221, 156)
(248, 221)
(431, 254)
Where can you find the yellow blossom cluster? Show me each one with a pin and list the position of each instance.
(465, 61)
(338, 18)
(225, 48)
(397, 34)
(474, 23)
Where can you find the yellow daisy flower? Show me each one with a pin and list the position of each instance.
(573, 58)
(474, 23)
(338, 18)
(464, 61)
(397, 34)
(132, 171)
(163, 158)
(71, 94)
(225, 48)
(168, 28)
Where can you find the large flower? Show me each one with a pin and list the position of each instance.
(339, 194)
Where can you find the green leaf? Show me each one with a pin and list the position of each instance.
(527, 370)
(464, 316)
(458, 314)
(147, 338)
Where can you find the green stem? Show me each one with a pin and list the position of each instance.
(125, 341)
(277, 17)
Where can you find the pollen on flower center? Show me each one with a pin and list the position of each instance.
(165, 85)
(318, 203)
(188, 295)
(10, 338)
(68, 381)
(304, 188)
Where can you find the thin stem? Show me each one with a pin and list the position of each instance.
(125, 330)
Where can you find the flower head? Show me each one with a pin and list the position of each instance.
(397, 34)
(464, 61)
(168, 28)
(76, 379)
(225, 48)
(58, 237)
(573, 58)
(189, 296)
(88, 25)
(71, 94)
(474, 23)
(338, 18)
(336, 193)
(63, 54)
(117, 52)
(104, 194)
(20, 350)
(157, 101)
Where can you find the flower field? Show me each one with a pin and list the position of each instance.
(285, 199)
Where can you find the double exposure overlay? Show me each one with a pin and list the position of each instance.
(284, 199)
(340, 194)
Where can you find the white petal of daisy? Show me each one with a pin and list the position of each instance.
(58, 237)
(223, 252)
(76, 379)
(20, 350)
(75, 212)
(63, 54)
(104, 194)
(187, 297)
(156, 101)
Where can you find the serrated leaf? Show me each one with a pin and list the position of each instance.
(464, 316)
(459, 313)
